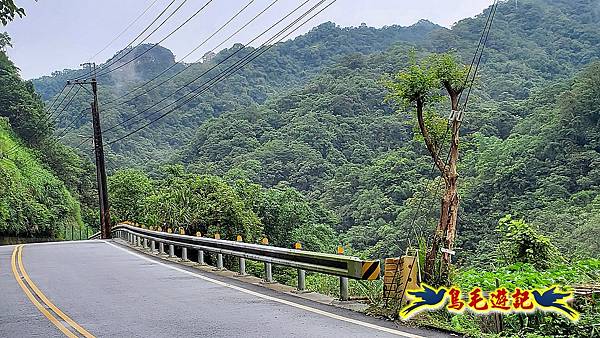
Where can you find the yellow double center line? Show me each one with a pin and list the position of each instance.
(65, 324)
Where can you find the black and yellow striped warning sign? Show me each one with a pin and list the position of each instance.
(371, 270)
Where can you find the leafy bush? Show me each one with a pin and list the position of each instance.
(521, 242)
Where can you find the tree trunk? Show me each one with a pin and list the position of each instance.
(445, 232)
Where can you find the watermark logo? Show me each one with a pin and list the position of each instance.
(500, 300)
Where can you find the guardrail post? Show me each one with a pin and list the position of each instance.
(219, 261)
(145, 243)
(200, 252)
(242, 266)
(268, 267)
(344, 289)
(184, 254)
(268, 273)
(171, 250)
(201, 257)
(242, 260)
(219, 256)
(301, 280)
(343, 280)
(301, 273)
(153, 246)
(161, 248)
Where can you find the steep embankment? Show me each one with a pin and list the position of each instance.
(33, 201)
(41, 181)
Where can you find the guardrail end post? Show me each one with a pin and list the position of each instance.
(184, 254)
(171, 251)
(268, 273)
(301, 280)
(344, 289)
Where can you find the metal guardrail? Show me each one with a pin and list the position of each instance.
(338, 265)
(95, 236)
(344, 266)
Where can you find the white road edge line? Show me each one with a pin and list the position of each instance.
(282, 301)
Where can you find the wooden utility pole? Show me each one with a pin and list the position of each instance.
(99, 152)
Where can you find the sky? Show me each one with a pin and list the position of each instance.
(60, 34)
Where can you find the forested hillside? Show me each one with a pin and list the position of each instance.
(284, 66)
(44, 186)
(336, 141)
(521, 55)
(33, 202)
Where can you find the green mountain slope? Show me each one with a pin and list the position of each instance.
(44, 185)
(536, 42)
(337, 141)
(33, 201)
(285, 66)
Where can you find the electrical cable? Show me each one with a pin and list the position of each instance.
(48, 108)
(68, 127)
(50, 113)
(37, 131)
(55, 119)
(184, 57)
(101, 73)
(229, 71)
(206, 71)
(137, 37)
(125, 30)
(481, 45)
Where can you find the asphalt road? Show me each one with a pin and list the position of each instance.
(110, 291)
